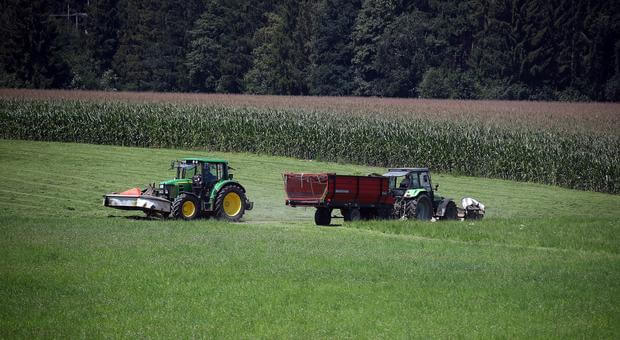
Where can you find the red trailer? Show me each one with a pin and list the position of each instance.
(356, 196)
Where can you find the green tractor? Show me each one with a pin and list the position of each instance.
(201, 187)
(415, 198)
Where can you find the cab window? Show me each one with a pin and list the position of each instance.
(187, 171)
(220, 171)
(425, 180)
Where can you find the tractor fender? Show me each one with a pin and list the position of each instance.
(441, 208)
(219, 185)
(189, 193)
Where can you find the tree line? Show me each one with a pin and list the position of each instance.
(466, 49)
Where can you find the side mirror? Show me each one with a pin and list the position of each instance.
(437, 187)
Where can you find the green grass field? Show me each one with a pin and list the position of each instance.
(544, 263)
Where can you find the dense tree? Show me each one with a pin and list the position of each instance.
(30, 53)
(281, 57)
(501, 49)
(222, 43)
(403, 53)
(154, 36)
(372, 20)
(331, 46)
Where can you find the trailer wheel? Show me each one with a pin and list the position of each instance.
(384, 213)
(451, 212)
(323, 216)
(352, 215)
(186, 207)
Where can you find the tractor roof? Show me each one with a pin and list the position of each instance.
(408, 169)
(205, 160)
(397, 172)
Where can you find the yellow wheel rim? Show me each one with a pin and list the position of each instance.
(232, 204)
(189, 209)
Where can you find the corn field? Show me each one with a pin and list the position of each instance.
(574, 159)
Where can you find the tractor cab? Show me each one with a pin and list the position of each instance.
(415, 196)
(203, 173)
(205, 167)
(410, 182)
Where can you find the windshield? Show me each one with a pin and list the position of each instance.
(187, 171)
(410, 181)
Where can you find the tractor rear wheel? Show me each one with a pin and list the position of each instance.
(323, 216)
(424, 208)
(186, 207)
(230, 203)
(419, 208)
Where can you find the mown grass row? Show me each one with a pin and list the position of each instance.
(578, 160)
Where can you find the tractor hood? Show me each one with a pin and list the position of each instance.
(176, 181)
(410, 193)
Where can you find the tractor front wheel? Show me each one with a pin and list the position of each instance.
(230, 203)
(451, 212)
(186, 207)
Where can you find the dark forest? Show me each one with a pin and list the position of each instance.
(567, 50)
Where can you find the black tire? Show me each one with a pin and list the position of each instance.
(323, 216)
(230, 203)
(186, 207)
(399, 210)
(410, 209)
(352, 215)
(368, 213)
(384, 213)
(451, 212)
(424, 208)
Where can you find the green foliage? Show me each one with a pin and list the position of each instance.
(109, 81)
(434, 84)
(30, 48)
(152, 43)
(220, 52)
(371, 22)
(402, 56)
(281, 55)
(442, 83)
(331, 46)
(564, 50)
(509, 151)
(612, 88)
